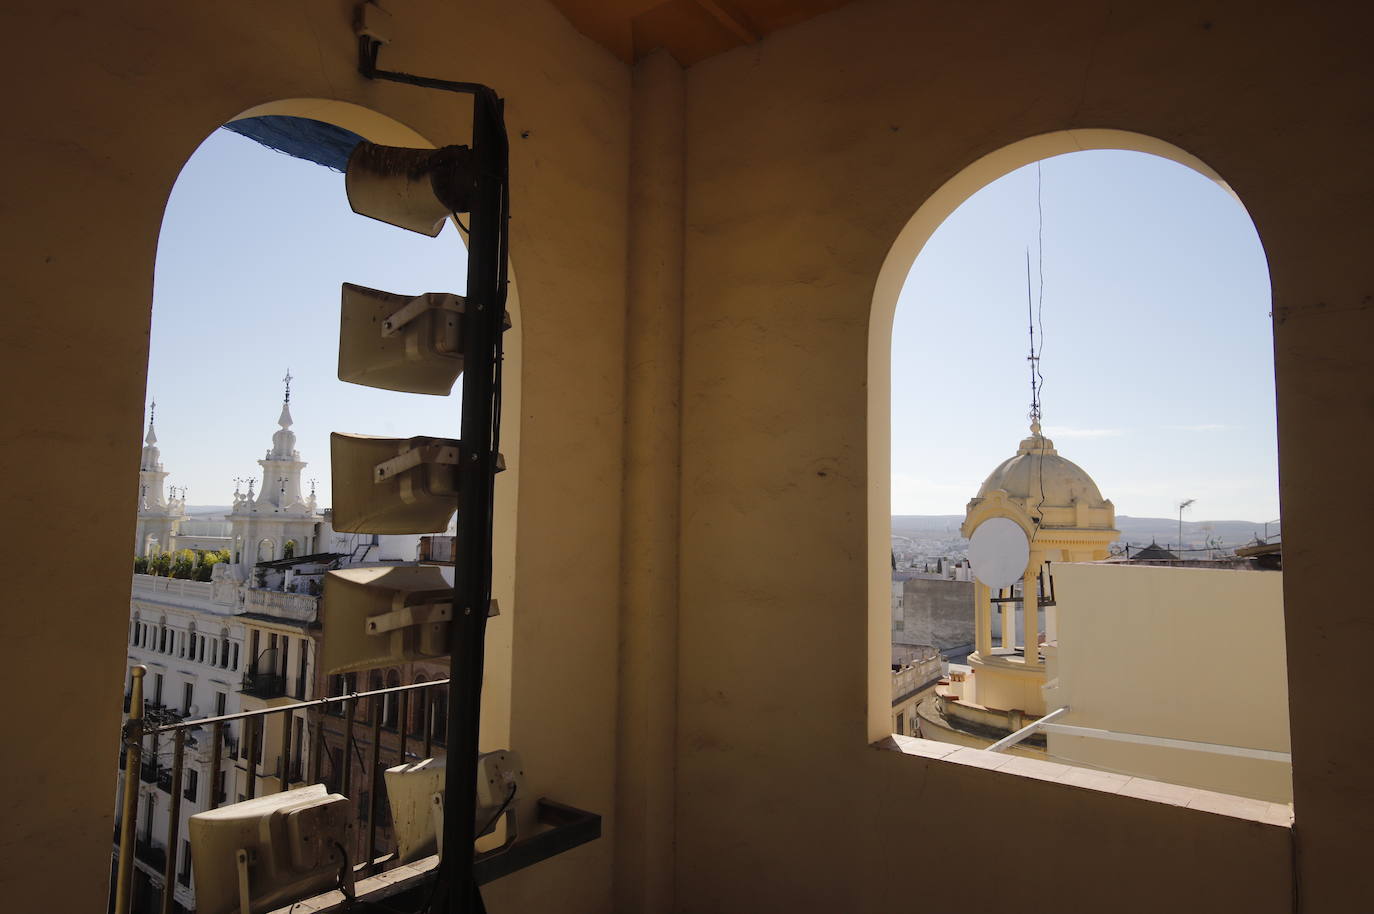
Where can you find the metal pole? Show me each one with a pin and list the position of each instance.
(426, 724)
(402, 725)
(133, 749)
(350, 708)
(472, 568)
(288, 722)
(318, 746)
(251, 745)
(174, 824)
(216, 759)
(374, 780)
(1007, 742)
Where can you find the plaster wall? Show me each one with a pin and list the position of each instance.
(116, 98)
(1184, 653)
(938, 613)
(808, 155)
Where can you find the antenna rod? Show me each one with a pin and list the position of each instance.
(1032, 358)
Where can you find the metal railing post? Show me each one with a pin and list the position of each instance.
(426, 713)
(403, 725)
(216, 759)
(133, 748)
(250, 743)
(350, 709)
(288, 722)
(318, 745)
(374, 779)
(174, 823)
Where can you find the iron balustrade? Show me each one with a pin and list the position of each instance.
(264, 685)
(160, 725)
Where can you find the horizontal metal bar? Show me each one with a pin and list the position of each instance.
(1167, 743)
(1007, 742)
(295, 706)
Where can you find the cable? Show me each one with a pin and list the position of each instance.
(499, 810)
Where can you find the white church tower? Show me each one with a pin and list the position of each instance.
(158, 515)
(277, 518)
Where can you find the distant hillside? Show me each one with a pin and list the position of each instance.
(201, 510)
(1134, 530)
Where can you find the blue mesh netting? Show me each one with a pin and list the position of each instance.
(314, 141)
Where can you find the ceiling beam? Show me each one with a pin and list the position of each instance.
(732, 20)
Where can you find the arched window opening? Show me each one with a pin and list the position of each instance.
(1106, 314)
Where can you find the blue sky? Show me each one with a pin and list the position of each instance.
(254, 247)
(1157, 350)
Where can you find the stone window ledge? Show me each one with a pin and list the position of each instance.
(1262, 811)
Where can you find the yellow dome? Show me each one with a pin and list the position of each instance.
(1037, 473)
(1042, 490)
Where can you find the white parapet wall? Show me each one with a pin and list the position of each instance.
(1181, 653)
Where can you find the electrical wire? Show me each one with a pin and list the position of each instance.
(499, 811)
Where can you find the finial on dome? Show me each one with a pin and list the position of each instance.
(152, 435)
(1035, 427)
(284, 420)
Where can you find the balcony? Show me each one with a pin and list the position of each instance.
(299, 607)
(152, 854)
(264, 685)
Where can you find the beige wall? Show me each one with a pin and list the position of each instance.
(1193, 654)
(807, 154)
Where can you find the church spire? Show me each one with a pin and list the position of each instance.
(152, 435)
(284, 420)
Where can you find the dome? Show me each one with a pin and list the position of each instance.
(1037, 473)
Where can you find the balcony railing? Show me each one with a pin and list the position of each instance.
(561, 827)
(161, 727)
(151, 854)
(264, 685)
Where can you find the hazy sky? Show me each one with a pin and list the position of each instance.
(1157, 352)
(1157, 357)
(254, 247)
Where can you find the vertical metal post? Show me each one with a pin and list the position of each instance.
(216, 759)
(472, 567)
(174, 823)
(318, 745)
(288, 722)
(350, 709)
(250, 743)
(426, 724)
(374, 778)
(133, 749)
(402, 726)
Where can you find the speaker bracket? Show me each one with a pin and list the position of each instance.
(443, 454)
(430, 301)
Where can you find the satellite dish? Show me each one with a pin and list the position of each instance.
(999, 552)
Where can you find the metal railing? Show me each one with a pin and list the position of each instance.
(264, 685)
(1047, 724)
(254, 730)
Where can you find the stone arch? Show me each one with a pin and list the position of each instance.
(887, 289)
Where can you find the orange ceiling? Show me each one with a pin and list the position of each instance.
(690, 30)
